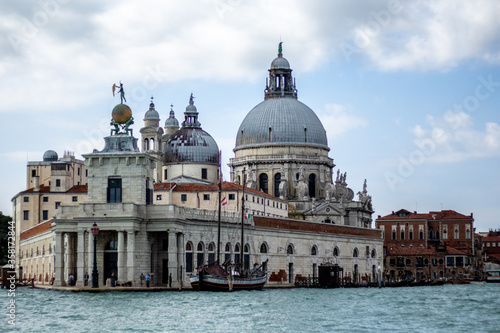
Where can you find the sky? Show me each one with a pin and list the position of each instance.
(408, 91)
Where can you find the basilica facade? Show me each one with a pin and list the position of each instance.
(155, 201)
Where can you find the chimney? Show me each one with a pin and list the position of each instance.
(36, 183)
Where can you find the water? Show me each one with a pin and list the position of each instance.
(448, 308)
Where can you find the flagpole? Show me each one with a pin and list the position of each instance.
(220, 198)
(242, 224)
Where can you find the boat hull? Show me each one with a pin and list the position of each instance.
(215, 283)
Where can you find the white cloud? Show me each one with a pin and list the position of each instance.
(338, 120)
(453, 138)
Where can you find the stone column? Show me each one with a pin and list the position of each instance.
(90, 255)
(80, 258)
(181, 260)
(121, 255)
(59, 265)
(131, 256)
(172, 255)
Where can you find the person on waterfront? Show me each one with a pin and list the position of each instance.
(148, 279)
(86, 279)
(170, 280)
(71, 280)
(113, 280)
(142, 278)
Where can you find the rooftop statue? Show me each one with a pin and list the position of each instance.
(121, 116)
(280, 49)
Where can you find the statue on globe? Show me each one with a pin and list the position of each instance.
(121, 116)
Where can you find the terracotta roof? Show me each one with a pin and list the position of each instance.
(442, 215)
(46, 189)
(226, 186)
(490, 239)
(39, 228)
(163, 186)
(394, 250)
(43, 189)
(452, 251)
(78, 189)
(288, 224)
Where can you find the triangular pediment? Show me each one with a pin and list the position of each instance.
(325, 209)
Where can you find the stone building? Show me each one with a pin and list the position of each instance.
(157, 208)
(428, 245)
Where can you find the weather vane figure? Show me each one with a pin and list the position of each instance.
(121, 115)
(120, 91)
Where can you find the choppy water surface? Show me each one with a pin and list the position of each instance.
(448, 308)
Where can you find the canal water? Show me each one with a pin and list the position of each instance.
(447, 308)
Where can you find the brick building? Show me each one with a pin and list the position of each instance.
(427, 245)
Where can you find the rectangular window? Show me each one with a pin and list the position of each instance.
(487, 244)
(165, 174)
(158, 197)
(58, 204)
(393, 234)
(206, 196)
(232, 196)
(75, 198)
(58, 182)
(114, 190)
(493, 244)
(183, 197)
(45, 214)
(403, 234)
(78, 171)
(411, 234)
(204, 173)
(450, 261)
(33, 173)
(26, 214)
(26, 199)
(45, 199)
(392, 261)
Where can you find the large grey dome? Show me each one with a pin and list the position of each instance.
(191, 145)
(280, 63)
(281, 120)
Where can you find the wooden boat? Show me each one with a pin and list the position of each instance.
(214, 277)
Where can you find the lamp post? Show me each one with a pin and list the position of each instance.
(95, 274)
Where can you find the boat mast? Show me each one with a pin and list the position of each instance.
(242, 223)
(220, 205)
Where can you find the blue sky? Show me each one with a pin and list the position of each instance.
(408, 91)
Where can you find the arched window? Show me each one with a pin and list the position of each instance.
(312, 185)
(152, 144)
(246, 257)
(437, 234)
(263, 180)
(237, 254)
(374, 253)
(189, 257)
(199, 254)
(227, 253)
(146, 144)
(336, 252)
(431, 234)
(211, 253)
(277, 181)
(355, 253)
(289, 249)
(263, 248)
(314, 250)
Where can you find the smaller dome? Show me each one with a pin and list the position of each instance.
(152, 114)
(172, 121)
(280, 63)
(50, 156)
